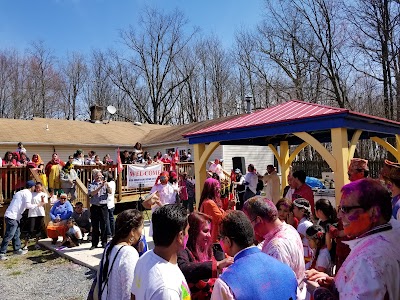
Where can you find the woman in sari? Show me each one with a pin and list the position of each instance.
(52, 171)
(210, 204)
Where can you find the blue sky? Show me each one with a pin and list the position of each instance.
(82, 25)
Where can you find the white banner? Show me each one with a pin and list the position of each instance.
(143, 174)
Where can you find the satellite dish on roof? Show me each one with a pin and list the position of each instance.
(111, 109)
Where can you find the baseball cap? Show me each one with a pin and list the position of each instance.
(29, 184)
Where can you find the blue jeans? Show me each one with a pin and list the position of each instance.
(111, 222)
(12, 233)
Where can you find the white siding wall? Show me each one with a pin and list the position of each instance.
(259, 156)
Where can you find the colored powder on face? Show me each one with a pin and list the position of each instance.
(359, 223)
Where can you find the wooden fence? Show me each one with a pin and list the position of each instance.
(315, 168)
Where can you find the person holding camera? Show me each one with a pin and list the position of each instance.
(163, 192)
(98, 191)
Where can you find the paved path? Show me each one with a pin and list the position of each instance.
(82, 254)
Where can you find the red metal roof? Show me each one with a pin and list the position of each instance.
(291, 110)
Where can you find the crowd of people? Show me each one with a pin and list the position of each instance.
(139, 156)
(266, 250)
(256, 245)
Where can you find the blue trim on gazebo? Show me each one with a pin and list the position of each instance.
(310, 124)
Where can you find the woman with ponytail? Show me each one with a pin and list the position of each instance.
(119, 258)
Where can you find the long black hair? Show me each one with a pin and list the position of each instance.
(327, 208)
(128, 220)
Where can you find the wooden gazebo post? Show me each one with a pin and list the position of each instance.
(201, 155)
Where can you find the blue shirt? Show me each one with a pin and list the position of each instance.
(101, 197)
(64, 210)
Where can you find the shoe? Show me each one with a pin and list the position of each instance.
(93, 247)
(54, 241)
(89, 238)
(3, 257)
(25, 248)
(20, 252)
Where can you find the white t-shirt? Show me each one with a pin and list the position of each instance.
(167, 193)
(304, 224)
(20, 201)
(75, 229)
(252, 179)
(324, 260)
(110, 198)
(121, 277)
(36, 199)
(158, 279)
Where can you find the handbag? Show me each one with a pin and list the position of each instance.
(97, 288)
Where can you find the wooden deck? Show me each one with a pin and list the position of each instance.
(13, 179)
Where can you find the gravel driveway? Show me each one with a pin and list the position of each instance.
(42, 275)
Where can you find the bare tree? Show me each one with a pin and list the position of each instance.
(75, 74)
(43, 80)
(376, 27)
(310, 45)
(154, 51)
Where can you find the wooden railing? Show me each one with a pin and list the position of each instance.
(12, 179)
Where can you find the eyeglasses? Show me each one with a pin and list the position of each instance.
(63, 198)
(347, 209)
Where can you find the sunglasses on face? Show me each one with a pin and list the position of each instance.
(347, 209)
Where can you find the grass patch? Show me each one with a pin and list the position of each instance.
(15, 273)
(11, 263)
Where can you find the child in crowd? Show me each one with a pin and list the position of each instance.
(327, 217)
(285, 212)
(322, 259)
(53, 197)
(73, 236)
(302, 211)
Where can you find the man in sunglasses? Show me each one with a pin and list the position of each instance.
(358, 169)
(372, 269)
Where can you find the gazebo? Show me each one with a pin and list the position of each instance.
(296, 123)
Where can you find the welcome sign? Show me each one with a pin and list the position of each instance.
(143, 174)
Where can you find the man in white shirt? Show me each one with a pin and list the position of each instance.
(277, 239)
(372, 269)
(163, 192)
(20, 202)
(251, 180)
(157, 275)
(273, 185)
(216, 168)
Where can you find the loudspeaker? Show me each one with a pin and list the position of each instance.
(239, 163)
